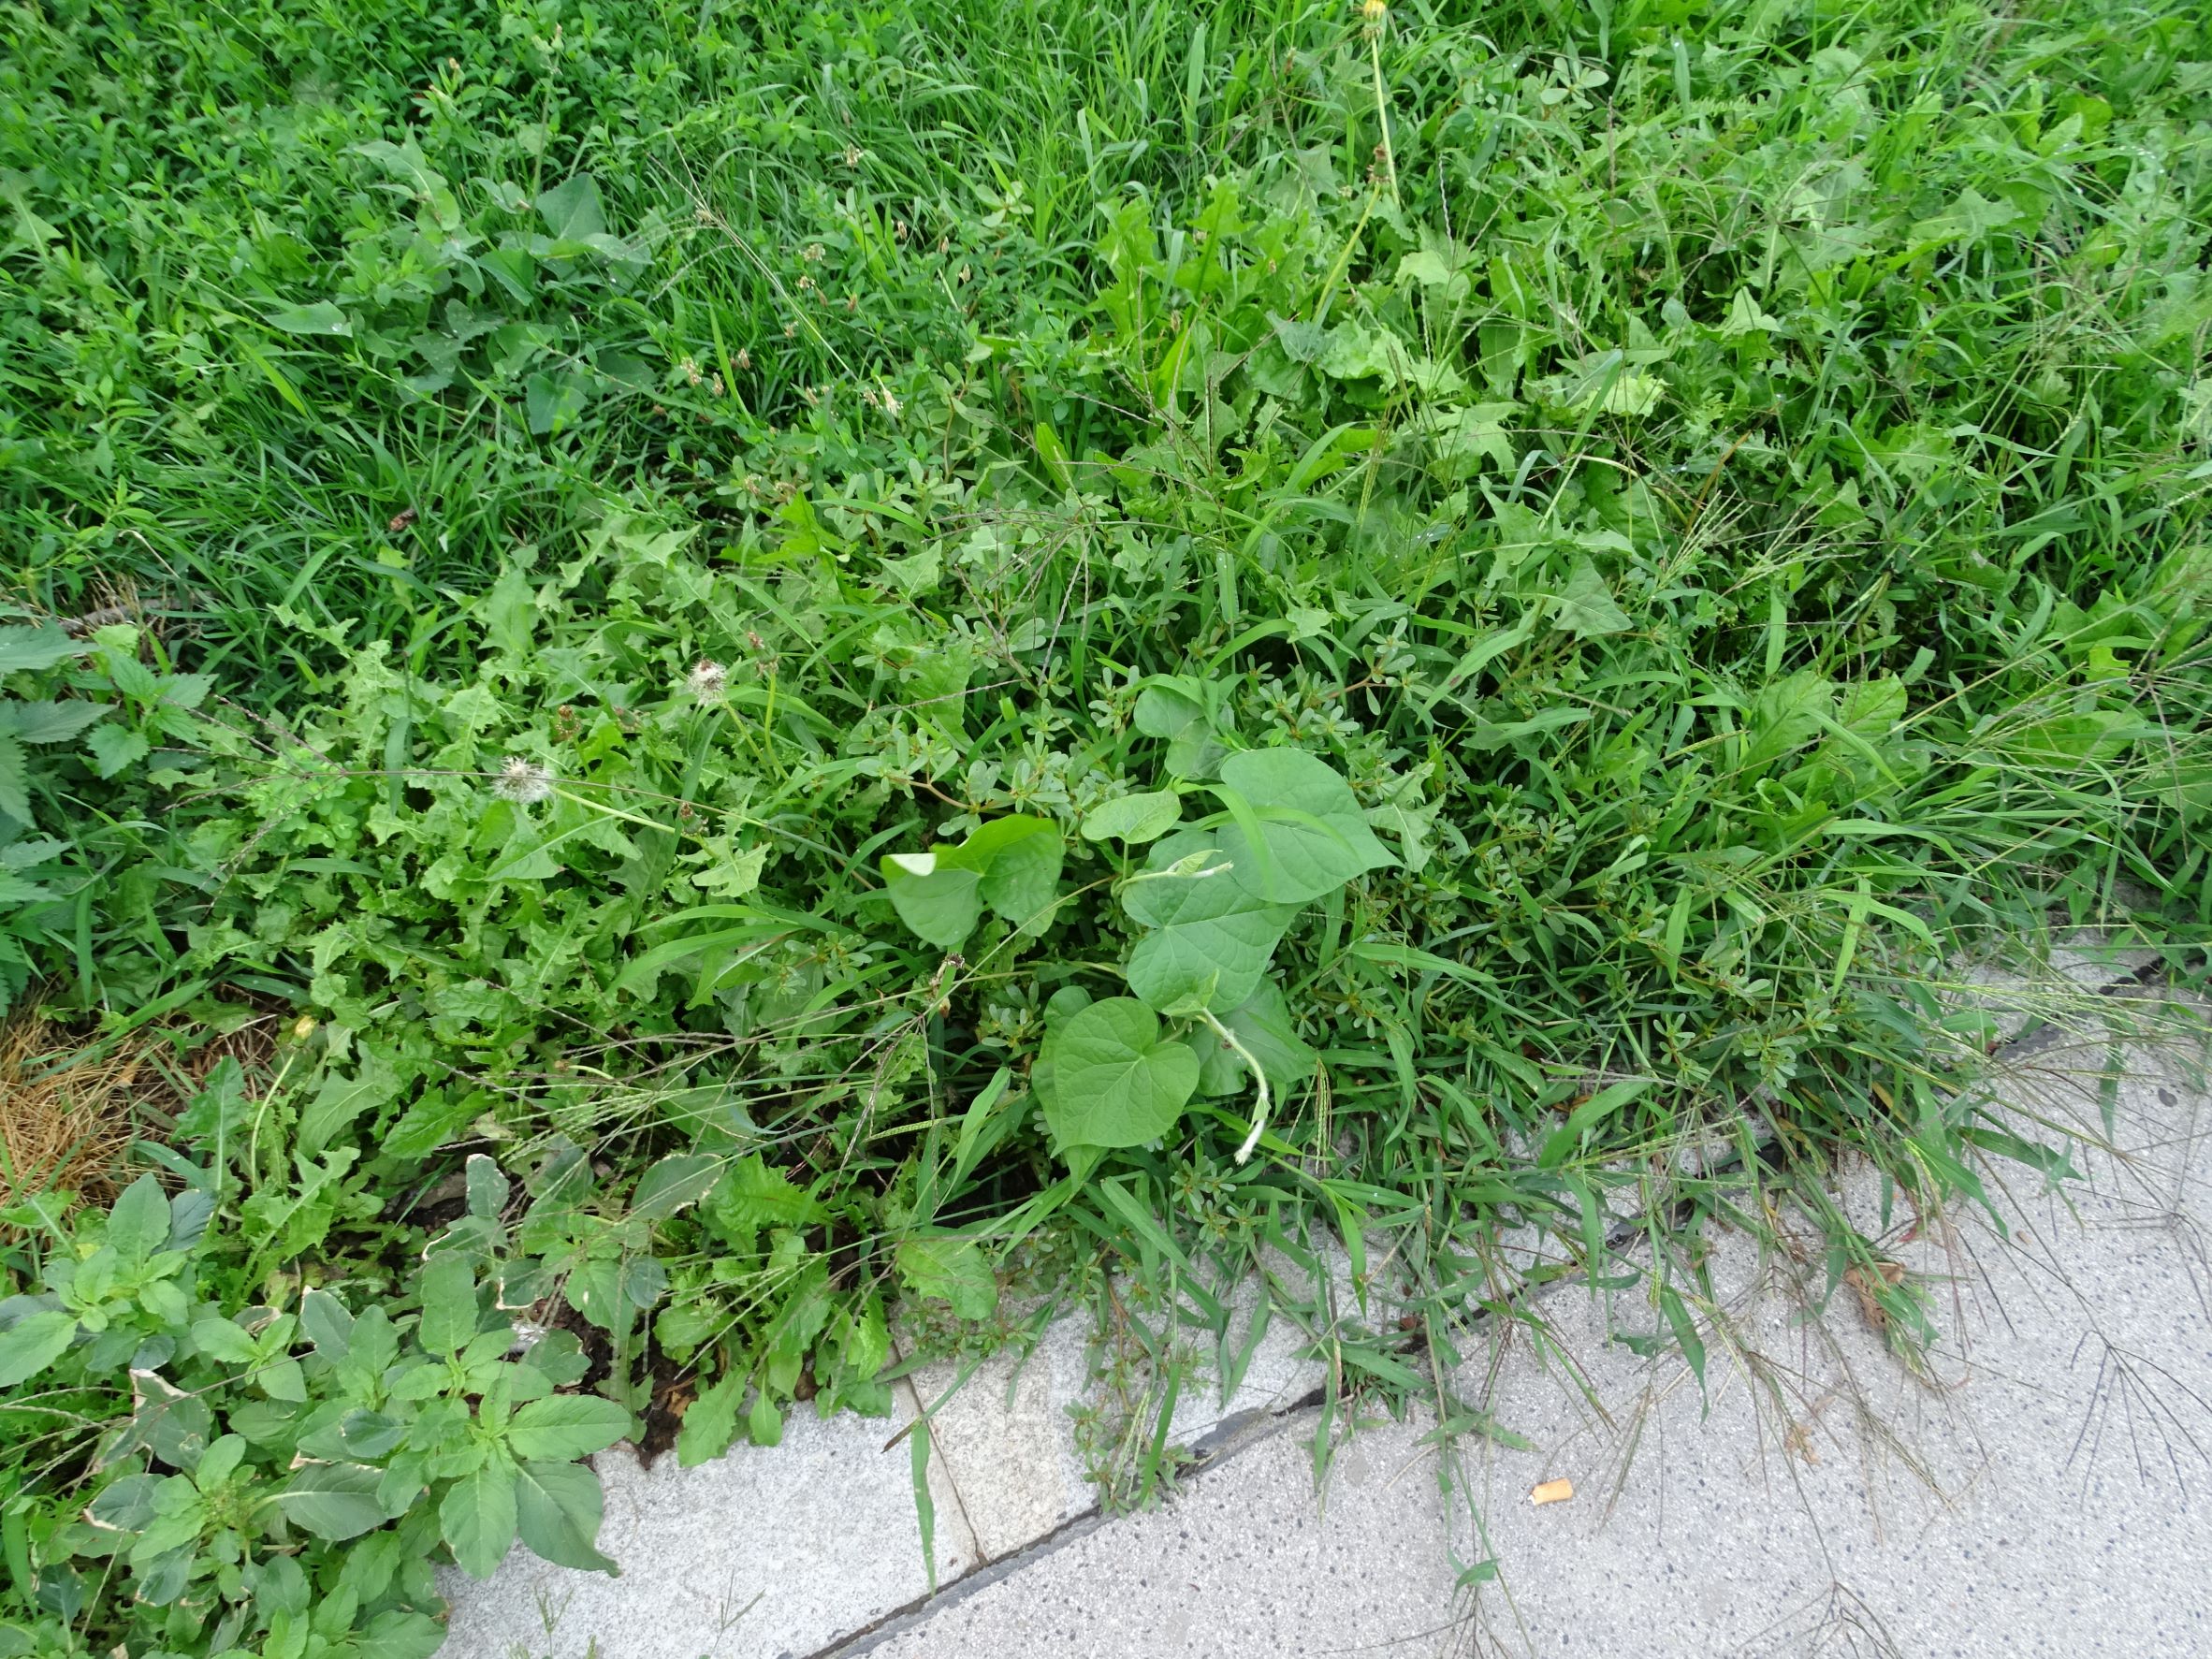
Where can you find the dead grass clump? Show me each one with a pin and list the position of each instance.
(63, 1127)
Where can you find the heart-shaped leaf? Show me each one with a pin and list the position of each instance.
(1115, 1082)
(1019, 861)
(939, 900)
(1012, 864)
(1134, 818)
(1295, 831)
(1211, 940)
(1263, 1025)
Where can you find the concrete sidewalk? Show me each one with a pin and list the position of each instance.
(2046, 1488)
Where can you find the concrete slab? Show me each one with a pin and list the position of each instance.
(2041, 1488)
(766, 1551)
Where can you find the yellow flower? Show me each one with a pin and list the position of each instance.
(1374, 10)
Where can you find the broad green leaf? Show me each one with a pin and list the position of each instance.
(397, 1635)
(1210, 940)
(1019, 861)
(1013, 864)
(37, 647)
(557, 1510)
(322, 318)
(487, 1186)
(31, 1344)
(763, 1423)
(1135, 819)
(940, 901)
(1115, 1082)
(223, 1342)
(324, 1322)
(552, 400)
(1585, 607)
(139, 1223)
(1313, 836)
(448, 1305)
(335, 1501)
(573, 210)
(674, 1184)
(951, 1270)
(477, 1517)
(567, 1426)
(1264, 1026)
(1164, 711)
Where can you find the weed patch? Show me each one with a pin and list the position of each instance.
(860, 659)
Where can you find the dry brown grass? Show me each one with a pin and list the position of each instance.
(68, 1111)
(64, 1126)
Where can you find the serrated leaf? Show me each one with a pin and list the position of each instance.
(710, 1422)
(49, 723)
(1115, 1080)
(951, 1270)
(752, 1195)
(1314, 837)
(566, 1426)
(1134, 818)
(113, 748)
(477, 1517)
(557, 1507)
(15, 799)
(37, 647)
(29, 855)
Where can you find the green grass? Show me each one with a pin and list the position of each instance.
(1723, 486)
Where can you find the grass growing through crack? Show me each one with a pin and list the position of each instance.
(1723, 497)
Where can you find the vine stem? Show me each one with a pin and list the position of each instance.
(1259, 1078)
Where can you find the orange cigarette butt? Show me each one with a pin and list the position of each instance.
(1551, 1492)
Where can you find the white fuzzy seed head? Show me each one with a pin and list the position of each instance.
(706, 680)
(524, 782)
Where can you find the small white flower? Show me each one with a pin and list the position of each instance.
(524, 782)
(706, 680)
